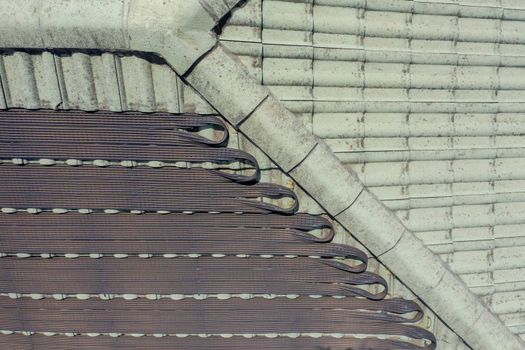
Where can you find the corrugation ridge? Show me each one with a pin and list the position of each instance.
(404, 106)
(106, 81)
(391, 149)
(488, 260)
(3, 80)
(348, 74)
(485, 287)
(331, 96)
(138, 84)
(507, 302)
(378, 49)
(20, 80)
(454, 193)
(496, 10)
(424, 143)
(48, 85)
(468, 239)
(387, 155)
(439, 171)
(452, 200)
(247, 15)
(3, 98)
(515, 321)
(364, 125)
(61, 82)
(120, 82)
(79, 81)
(400, 24)
(463, 216)
(165, 83)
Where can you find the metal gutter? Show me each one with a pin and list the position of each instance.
(180, 32)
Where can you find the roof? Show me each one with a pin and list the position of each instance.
(438, 141)
(425, 183)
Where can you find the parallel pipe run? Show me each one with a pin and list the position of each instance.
(231, 244)
(168, 188)
(215, 316)
(186, 276)
(176, 234)
(194, 342)
(122, 137)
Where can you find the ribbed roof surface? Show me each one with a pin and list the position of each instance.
(424, 100)
(93, 81)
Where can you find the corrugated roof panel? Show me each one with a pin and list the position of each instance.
(424, 99)
(78, 82)
(20, 86)
(250, 15)
(137, 84)
(245, 49)
(405, 49)
(97, 81)
(285, 15)
(167, 88)
(392, 75)
(299, 72)
(242, 33)
(106, 81)
(46, 79)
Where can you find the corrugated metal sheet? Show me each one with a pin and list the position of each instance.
(424, 100)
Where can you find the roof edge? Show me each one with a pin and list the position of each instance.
(179, 31)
